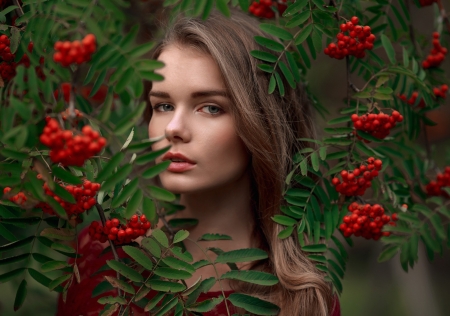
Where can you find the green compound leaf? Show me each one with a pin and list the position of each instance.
(253, 305)
(276, 31)
(161, 194)
(180, 236)
(173, 274)
(264, 56)
(269, 43)
(315, 248)
(254, 277)
(388, 253)
(120, 284)
(241, 255)
(144, 159)
(388, 48)
(126, 271)
(211, 237)
(206, 305)
(139, 257)
(155, 170)
(20, 295)
(165, 286)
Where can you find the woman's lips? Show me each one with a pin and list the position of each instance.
(180, 166)
(179, 163)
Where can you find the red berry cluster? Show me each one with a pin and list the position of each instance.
(378, 125)
(263, 8)
(70, 150)
(121, 234)
(8, 66)
(19, 198)
(366, 221)
(357, 181)
(83, 194)
(359, 38)
(78, 52)
(437, 54)
(442, 180)
(439, 92)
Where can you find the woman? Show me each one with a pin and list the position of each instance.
(232, 145)
(231, 148)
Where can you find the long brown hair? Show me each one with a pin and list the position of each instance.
(270, 126)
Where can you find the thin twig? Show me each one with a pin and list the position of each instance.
(19, 10)
(113, 248)
(444, 15)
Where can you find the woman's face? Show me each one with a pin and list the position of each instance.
(191, 108)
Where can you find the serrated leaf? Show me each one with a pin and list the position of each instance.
(127, 191)
(110, 166)
(287, 74)
(388, 253)
(20, 295)
(112, 300)
(250, 276)
(264, 56)
(285, 233)
(133, 204)
(65, 175)
(241, 255)
(58, 233)
(386, 42)
(315, 248)
(212, 237)
(180, 236)
(298, 19)
(152, 246)
(144, 159)
(161, 194)
(253, 304)
(126, 271)
(206, 305)
(54, 283)
(284, 220)
(16, 244)
(276, 31)
(165, 286)
(174, 274)
(161, 237)
(120, 175)
(139, 257)
(116, 283)
(269, 43)
(54, 265)
(156, 169)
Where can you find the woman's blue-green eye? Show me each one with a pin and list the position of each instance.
(163, 107)
(213, 109)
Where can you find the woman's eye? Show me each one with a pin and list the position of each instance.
(212, 109)
(163, 107)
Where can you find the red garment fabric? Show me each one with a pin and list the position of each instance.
(79, 301)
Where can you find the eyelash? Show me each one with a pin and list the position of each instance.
(155, 108)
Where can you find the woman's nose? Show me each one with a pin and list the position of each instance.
(177, 130)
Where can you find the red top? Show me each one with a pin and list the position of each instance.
(79, 301)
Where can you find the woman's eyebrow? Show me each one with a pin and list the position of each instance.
(197, 94)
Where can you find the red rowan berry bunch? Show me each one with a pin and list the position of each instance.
(263, 8)
(135, 227)
(377, 125)
(19, 198)
(69, 149)
(440, 92)
(359, 38)
(434, 188)
(77, 52)
(437, 54)
(366, 221)
(357, 181)
(82, 193)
